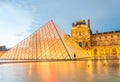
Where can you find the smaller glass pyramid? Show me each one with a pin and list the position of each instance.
(48, 42)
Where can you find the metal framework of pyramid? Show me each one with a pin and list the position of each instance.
(48, 42)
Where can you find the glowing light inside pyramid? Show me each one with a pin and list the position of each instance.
(48, 42)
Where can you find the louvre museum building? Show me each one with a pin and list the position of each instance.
(105, 45)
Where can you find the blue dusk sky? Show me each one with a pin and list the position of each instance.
(20, 18)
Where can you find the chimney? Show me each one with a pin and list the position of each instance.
(89, 23)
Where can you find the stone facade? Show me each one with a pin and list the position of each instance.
(104, 45)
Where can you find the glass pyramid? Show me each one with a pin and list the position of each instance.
(48, 42)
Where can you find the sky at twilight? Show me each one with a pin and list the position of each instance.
(20, 18)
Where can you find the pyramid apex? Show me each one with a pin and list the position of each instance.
(51, 20)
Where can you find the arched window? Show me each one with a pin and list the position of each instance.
(118, 52)
(95, 51)
(101, 51)
(86, 44)
(80, 44)
(114, 51)
(106, 42)
(107, 51)
(112, 41)
(118, 42)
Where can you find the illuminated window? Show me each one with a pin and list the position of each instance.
(107, 51)
(112, 41)
(100, 37)
(95, 51)
(118, 41)
(106, 42)
(118, 35)
(101, 52)
(111, 36)
(114, 51)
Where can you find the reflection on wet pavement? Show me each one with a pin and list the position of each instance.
(66, 71)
